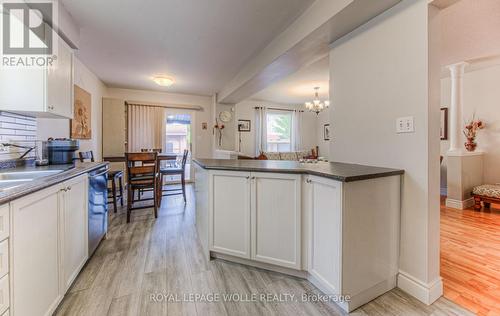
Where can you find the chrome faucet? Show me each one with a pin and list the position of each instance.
(29, 148)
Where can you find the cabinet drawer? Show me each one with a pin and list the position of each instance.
(4, 293)
(4, 258)
(4, 222)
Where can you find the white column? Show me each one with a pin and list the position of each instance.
(456, 106)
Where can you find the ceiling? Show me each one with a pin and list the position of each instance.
(299, 87)
(201, 44)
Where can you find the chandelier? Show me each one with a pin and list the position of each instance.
(316, 105)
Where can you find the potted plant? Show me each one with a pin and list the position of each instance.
(470, 132)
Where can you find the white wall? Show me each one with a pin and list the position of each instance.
(86, 80)
(229, 140)
(481, 96)
(246, 111)
(378, 73)
(203, 142)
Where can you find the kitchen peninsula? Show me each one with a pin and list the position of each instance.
(335, 224)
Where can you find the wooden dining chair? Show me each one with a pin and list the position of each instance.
(178, 169)
(151, 150)
(148, 150)
(143, 174)
(86, 155)
(115, 178)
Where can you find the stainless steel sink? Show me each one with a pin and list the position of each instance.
(11, 180)
(11, 184)
(27, 175)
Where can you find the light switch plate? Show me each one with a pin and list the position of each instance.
(405, 125)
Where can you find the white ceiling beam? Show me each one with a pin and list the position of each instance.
(303, 42)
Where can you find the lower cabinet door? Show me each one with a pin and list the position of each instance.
(201, 195)
(325, 251)
(4, 294)
(230, 213)
(75, 228)
(276, 219)
(35, 265)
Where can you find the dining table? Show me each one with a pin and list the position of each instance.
(161, 157)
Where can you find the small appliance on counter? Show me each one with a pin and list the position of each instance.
(62, 151)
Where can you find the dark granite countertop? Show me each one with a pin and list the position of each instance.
(339, 171)
(70, 171)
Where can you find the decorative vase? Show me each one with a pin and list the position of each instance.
(470, 144)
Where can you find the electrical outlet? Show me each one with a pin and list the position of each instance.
(405, 125)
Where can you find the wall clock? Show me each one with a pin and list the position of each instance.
(225, 116)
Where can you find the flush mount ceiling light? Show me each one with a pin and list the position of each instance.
(163, 81)
(316, 105)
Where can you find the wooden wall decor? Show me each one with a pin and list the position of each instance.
(443, 131)
(81, 127)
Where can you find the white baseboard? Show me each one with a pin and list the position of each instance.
(461, 205)
(261, 265)
(355, 300)
(426, 293)
(368, 295)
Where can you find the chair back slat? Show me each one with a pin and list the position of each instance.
(86, 155)
(151, 150)
(144, 164)
(184, 158)
(142, 170)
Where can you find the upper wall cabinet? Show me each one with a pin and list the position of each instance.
(41, 92)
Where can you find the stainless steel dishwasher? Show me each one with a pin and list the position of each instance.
(98, 207)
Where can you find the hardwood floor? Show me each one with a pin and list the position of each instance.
(470, 258)
(163, 256)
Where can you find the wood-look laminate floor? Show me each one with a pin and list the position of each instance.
(163, 257)
(470, 258)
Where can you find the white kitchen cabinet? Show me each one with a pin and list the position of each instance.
(230, 220)
(343, 236)
(40, 92)
(325, 232)
(74, 220)
(48, 245)
(276, 219)
(354, 237)
(201, 196)
(256, 216)
(60, 83)
(4, 221)
(4, 294)
(4, 258)
(35, 253)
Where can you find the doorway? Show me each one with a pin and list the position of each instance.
(179, 137)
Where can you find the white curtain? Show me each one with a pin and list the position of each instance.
(261, 130)
(297, 130)
(146, 127)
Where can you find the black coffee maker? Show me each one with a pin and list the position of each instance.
(62, 151)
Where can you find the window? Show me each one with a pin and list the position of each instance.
(279, 131)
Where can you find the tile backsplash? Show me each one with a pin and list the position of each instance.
(16, 129)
